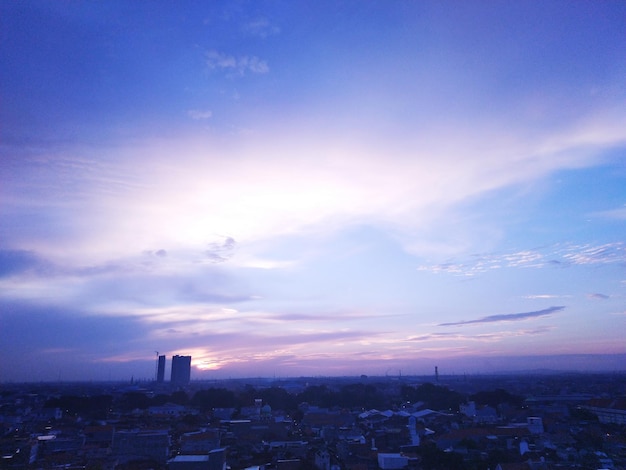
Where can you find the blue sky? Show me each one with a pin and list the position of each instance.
(311, 188)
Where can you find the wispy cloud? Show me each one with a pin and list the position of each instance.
(268, 184)
(199, 114)
(153, 278)
(32, 265)
(336, 316)
(546, 296)
(219, 252)
(58, 350)
(487, 337)
(507, 317)
(260, 27)
(15, 262)
(481, 263)
(595, 254)
(561, 255)
(598, 296)
(617, 214)
(623, 312)
(239, 65)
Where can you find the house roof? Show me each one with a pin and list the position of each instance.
(609, 403)
(475, 433)
(327, 419)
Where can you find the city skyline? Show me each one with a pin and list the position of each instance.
(296, 189)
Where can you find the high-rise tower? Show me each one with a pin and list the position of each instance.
(181, 369)
(161, 369)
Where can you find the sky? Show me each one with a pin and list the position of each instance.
(290, 188)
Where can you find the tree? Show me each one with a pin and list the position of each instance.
(179, 397)
(279, 399)
(96, 407)
(133, 400)
(318, 395)
(435, 459)
(434, 396)
(361, 395)
(497, 397)
(213, 398)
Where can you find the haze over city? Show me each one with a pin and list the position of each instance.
(311, 188)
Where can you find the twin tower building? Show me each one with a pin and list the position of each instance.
(181, 370)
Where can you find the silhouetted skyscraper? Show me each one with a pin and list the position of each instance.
(181, 369)
(161, 369)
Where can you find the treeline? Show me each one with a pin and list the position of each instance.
(364, 396)
(96, 406)
(349, 396)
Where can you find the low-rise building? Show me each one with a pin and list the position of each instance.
(141, 445)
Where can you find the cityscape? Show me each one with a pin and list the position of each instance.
(533, 421)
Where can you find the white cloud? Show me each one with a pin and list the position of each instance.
(617, 214)
(595, 254)
(550, 256)
(239, 65)
(295, 178)
(198, 114)
(260, 27)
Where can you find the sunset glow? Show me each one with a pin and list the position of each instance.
(304, 188)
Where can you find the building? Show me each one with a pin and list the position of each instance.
(181, 369)
(199, 442)
(608, 411)
(535, 424)
(392, 461)
(189, 462)
(161, 370)
(141, 445)
(214, 460)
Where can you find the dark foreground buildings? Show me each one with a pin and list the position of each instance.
(538, 422)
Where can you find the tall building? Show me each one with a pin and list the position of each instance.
(181, 369)
(161, 370)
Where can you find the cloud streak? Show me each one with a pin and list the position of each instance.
(560, 255)
(597, 296)
(616, 214)
(507, 317)
(16, 262)
(484, 337)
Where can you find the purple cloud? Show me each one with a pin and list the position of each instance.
(507, 317)
(598, 296)
(13, 262)
(220, 252)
